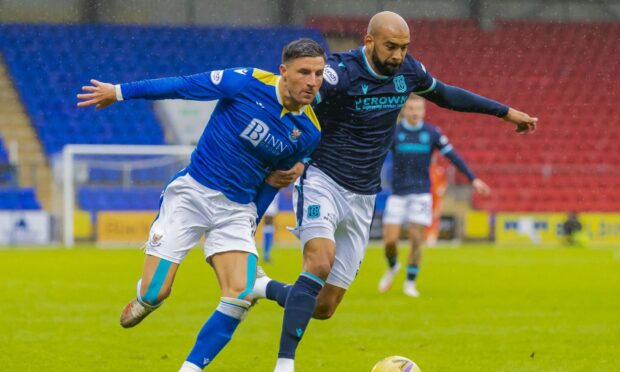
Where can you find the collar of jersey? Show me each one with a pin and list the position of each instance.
(284, 109)
(412, 127)
(370, 70)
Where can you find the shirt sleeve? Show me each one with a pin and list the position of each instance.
(205, 86)
(445, 147)
(424, 80)
(442, 143)
(459, 99)
(333, 77)
(451, 97)
(263, 199)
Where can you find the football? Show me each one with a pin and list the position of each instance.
(396, 364)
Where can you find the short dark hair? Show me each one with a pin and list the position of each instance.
(302, 48)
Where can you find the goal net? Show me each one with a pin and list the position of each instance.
(111, 192)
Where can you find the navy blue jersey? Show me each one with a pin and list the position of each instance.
(357, 109)
(412, 153)
(249, 134)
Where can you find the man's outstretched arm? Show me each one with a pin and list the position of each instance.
(199, 87)
(459, 99)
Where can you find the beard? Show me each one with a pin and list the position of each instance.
(385, 68)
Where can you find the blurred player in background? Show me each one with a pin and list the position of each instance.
(357, 106)
(439, 186)
(573, 231)
(262, 122)
(269, 228)
(411, 200)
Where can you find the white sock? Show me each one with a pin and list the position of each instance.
(285, 365)
(190, 367)
(233, 307)
(260, 287)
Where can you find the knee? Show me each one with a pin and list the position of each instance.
(416, 242)
(323, 311)
(319, 267)
(319, 263)
(237, 290)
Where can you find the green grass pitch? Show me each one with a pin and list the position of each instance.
(482, 309)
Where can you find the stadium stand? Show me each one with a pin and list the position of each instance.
(12, 197)
(558, 71)
(18, 199)
(6, 172)
(96, 198)
(563, 167)
(48, 64)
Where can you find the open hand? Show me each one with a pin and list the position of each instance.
(99, 94)
(481, 187)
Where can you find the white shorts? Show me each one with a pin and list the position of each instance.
(411, 208)
(273, 208)
(325, 209)
(188, 210)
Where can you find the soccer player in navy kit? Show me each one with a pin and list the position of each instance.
(358, 104)
(411, 201)
(262, 123)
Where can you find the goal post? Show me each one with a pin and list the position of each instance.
(114, 167)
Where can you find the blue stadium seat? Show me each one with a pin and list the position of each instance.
(18, 199)
(94, 199)
(50, 63)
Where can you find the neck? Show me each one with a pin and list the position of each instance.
(371, 63)
(414, 126)
(287, 101)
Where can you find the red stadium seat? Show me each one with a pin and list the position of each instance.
(571, 162)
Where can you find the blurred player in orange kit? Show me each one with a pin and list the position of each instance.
(439, 185)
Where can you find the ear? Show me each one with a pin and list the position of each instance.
(282, 70)
(368, 41)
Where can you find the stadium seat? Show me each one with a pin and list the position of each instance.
(94, 199)
(49, 64)
(18, 199)
(570, 86)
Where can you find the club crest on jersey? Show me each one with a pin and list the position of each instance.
(314, 211)
(295, 134)
(400, 84)
(424, 137)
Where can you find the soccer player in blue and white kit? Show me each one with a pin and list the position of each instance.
(357, 106)
(262, 123)
(411, 201)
